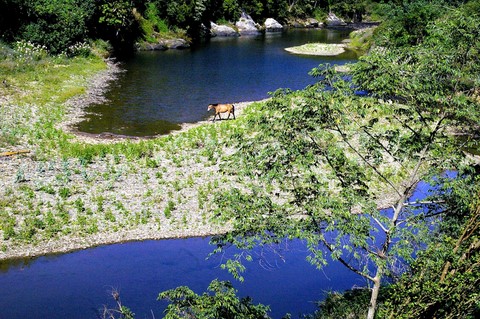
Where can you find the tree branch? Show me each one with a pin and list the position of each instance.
(365, 160)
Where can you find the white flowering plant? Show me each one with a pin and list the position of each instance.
(27, 51)
(79, 49)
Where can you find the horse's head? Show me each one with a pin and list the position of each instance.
(211, 106)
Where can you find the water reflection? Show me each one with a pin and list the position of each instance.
(162, 89)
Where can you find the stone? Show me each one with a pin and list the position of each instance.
(272, 25)
(334, 21)
(312, 23)
(175, 43)
(222, 31)
(159, 47)
(246, 25)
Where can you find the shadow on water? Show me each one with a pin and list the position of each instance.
(161, 90)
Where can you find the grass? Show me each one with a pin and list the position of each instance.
(68, 188)
(37, 91)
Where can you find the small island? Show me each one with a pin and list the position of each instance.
(323, 49)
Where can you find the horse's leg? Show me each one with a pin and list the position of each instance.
(228, 115)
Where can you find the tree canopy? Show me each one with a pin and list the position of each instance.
(60, 24)
(337, 168)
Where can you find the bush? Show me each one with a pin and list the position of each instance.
(26, 51)
(79, 49)
(152, 15)
(57, 24)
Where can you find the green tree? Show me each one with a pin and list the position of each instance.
(231, 10)
(444, 281)
(405, 22)
(117, 23)
(57, 24)
(323, 163)
(223, 303)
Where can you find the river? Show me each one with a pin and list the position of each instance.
(78, 284)
(159, 90)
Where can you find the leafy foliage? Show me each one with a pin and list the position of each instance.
(57, 24)
(322, 163)
(405, 23)
(444, 281)
(222, 304)
(350, 304)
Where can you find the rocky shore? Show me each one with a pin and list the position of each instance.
(64, 204)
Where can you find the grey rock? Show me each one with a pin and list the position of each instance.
(334, 21)
(175, 43)
(312, 23)
(223, 31)
(272, 25)
(246, 25)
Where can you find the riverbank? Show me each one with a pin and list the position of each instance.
(73, 191)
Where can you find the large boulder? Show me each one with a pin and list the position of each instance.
(271, 25)
(246, 25)
(334, 21)
(222, 31)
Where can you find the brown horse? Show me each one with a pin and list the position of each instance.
(222, 108)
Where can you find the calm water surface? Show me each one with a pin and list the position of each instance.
(159, 90)
(77, 285)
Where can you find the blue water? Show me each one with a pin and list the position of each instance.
(77, 285)
(159, 90)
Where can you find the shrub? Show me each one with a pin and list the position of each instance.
(26, 51)
(57, 24)
(79, 49)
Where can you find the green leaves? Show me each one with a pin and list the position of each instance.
(321, 163)
(57, 24)
(222, 302)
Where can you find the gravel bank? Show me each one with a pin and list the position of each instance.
(110, 199)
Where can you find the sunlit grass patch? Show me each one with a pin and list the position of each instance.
(324, 49)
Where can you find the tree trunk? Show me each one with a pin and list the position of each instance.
(375, 290)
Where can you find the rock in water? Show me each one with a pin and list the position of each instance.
(272, 25)
(246, 25)
(222, 31)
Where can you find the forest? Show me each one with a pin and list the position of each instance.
(326, 165)
(60, 24)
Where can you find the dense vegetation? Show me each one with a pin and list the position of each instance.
(60, 24)
(322, 163)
